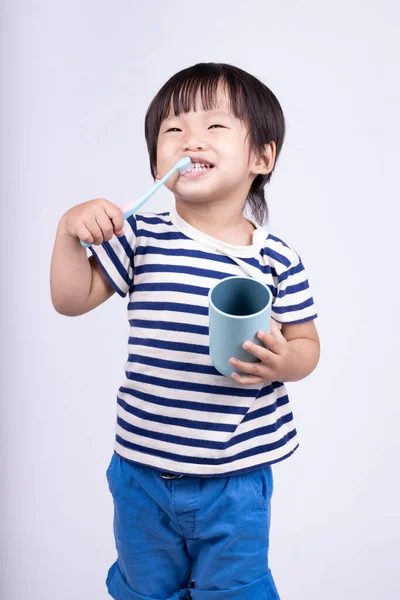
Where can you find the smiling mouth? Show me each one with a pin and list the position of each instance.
(198, 170)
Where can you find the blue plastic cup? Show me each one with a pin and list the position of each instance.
(238, 308)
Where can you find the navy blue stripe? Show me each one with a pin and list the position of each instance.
(143, 250)
(301, 320)
(280, 310)
(200, 443)
(170, 306)
(188, 270)
(189, 423)
(108, 277)
(259, 431)
(171, 287)
(269, 388)
(123, 240)
(132, 222)
(276, 239)
(154, 220)
(290, 289)
(116, 261)
(299, 287)
(184, 404)
(266, 410)
(266, 269)
(170, 364)
(209, 461)
(169, 235)
(167, 345)
(128, 250)
(169, 326)
(292, 271)
(275, 256)
(189, 386)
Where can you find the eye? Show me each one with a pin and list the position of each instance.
(173, 129)
(216, 126)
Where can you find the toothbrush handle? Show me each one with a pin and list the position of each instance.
(141, 200)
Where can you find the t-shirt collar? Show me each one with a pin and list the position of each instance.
(259, 236)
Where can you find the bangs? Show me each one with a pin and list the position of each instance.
(199, 83)
(184, 96)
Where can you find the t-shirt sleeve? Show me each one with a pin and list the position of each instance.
(293, 301)
(116, 258)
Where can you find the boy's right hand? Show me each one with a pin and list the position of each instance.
(94, 222)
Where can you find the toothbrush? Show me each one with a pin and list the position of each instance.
(183, 166)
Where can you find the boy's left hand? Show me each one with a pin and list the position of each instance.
(274, 359)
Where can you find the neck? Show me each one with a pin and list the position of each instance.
(218, 221)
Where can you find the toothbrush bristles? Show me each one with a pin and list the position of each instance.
(187, 169)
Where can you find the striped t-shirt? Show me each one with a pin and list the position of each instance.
(175, 411)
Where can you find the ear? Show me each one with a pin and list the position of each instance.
(262, 165)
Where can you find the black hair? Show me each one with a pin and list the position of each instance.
(251, 101)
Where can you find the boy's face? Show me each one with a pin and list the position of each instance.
(216, 138)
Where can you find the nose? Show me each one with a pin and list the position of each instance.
(193, 142)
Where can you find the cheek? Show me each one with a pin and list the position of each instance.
(158, 148)
(163, 151)
(159, 155)
(234, 148)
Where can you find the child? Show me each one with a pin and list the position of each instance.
(191, 475)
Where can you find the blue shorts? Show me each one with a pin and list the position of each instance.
(204, 538)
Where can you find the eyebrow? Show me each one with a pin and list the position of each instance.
(220, 113)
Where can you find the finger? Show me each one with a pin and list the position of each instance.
(245, 379)
(84, 234)
(116, 216)
(257, 369)
(105, 224)
(271, 340)
(95, 231)
(264, 354)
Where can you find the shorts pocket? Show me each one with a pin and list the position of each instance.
(116, 474)
(110, 466)
(261, 481)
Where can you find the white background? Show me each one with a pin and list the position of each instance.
(76, 80)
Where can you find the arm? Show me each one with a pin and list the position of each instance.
(77, 283)
(304, 349)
